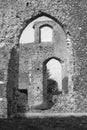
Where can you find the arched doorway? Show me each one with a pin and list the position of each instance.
(52, 81)
(47, 39)
(31, 57)
(54, 71)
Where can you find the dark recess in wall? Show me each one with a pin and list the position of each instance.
(12, 82)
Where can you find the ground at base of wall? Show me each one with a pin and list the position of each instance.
(52, 123)
(69, 103)
(74, 102)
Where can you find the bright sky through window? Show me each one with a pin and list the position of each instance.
(46, 34)
(55, 70)
(28, 33)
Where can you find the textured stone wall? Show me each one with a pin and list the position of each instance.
(14, 17)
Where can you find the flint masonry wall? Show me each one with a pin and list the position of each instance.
(14, 17)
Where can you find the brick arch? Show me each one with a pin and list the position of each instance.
(46, 25)
(53, 57)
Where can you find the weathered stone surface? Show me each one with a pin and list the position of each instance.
(15, 15)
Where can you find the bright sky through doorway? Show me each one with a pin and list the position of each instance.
(55, 70)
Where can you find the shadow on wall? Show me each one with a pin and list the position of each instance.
(22, 100)
(12, 81)
(65, 85)
(53, 93)
(16, 99)
(51, 97)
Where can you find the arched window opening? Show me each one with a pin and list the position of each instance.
(46, 34)
(27, 35)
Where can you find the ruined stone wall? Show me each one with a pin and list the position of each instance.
(14, 17)
(31, 65)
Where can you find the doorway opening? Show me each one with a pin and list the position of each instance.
(54, 74)
(52, 81)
